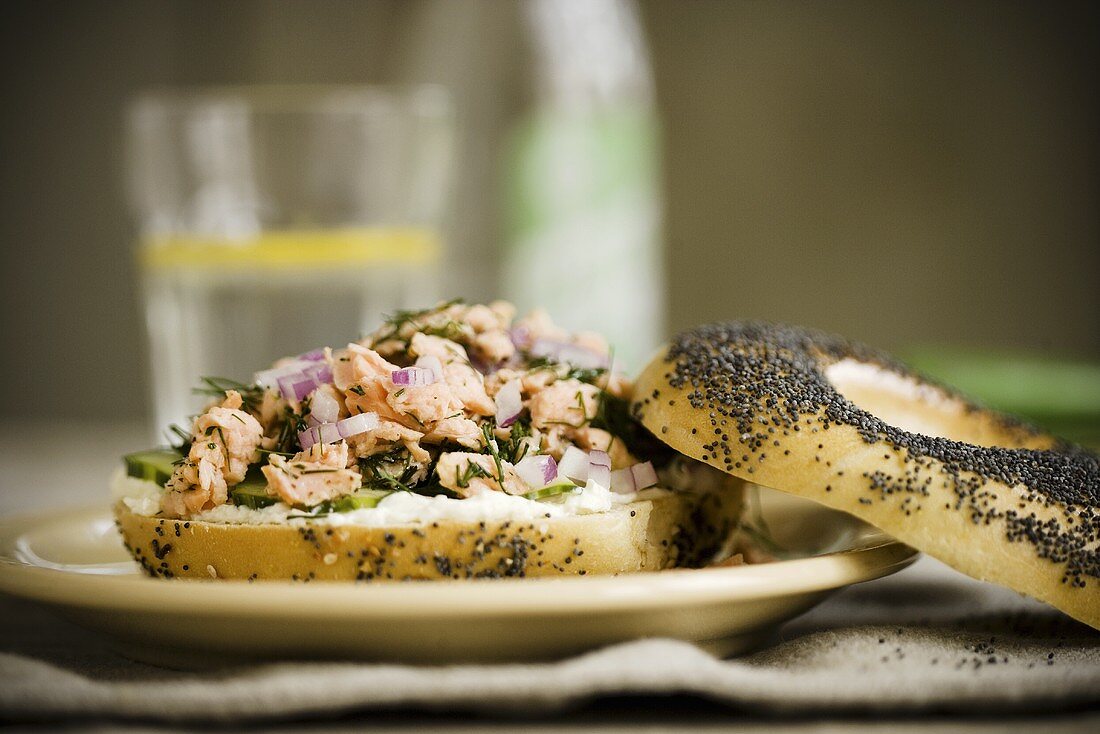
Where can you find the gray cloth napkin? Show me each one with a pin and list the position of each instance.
(927, 639)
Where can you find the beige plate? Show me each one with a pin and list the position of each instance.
(75, 562)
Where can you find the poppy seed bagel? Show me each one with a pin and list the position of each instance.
(848, 426)
(661, 529)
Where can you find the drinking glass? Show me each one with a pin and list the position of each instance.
(275, 220)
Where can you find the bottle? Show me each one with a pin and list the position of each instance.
(558, 202)
(583, 199)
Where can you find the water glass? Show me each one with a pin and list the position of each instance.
(274, 220)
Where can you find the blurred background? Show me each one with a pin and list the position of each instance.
(920, 175)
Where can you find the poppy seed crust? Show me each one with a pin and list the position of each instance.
(764, 389)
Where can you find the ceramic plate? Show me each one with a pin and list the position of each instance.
(75, 562)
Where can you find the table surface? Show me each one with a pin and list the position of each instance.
(33, 478)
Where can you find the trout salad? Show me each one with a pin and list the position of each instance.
(458, 412)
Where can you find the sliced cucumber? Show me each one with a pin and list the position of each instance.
(252, 493)
(155, 465)
(362, 500)
(555, 488)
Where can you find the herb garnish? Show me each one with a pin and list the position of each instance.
(184, 437)
(494, 451)
(591, 375)
(472, 470)
(375, 476)
(514, 447)
(451, 330)
(400, 318)
(252, 396)
(292, 424)
(566, 371)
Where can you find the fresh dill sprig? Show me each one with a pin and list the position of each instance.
(225, 446)
(376, 476)
(494, 451)
(472, 470)
(183, 437)
(590, 375)
(514, 448)
(251, 395)
(400, 318)
(292, 424)
(450, 330)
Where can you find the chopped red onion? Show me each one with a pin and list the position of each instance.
(509, 404)
(599, 468)
(270, 378)
(644, 475)
(357, 424)
(520, 336)
(634, 478)
(622, 481)
(582, 357)
(314, 355)
(574, 354)
(297, 386)
(322, 373)
(599, 458)
(433, 364)
(413, 376)
(574, 464)
(324, 408)
(537, 470)
(599, 474)
(323, 433)
(333, 432)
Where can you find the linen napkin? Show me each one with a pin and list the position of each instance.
(927, 639)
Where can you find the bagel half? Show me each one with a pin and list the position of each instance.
(836, 422)
(660, 530)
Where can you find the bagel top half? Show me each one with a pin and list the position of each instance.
(834, 421)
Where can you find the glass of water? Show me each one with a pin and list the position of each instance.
(275, 220)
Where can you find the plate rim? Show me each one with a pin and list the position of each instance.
(874, 555)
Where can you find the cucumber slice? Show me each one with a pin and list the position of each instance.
(555, 488)
(252, 493)
(155, 465)
(362, 500)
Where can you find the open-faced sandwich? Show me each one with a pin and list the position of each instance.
(454, 442)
